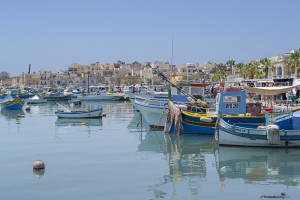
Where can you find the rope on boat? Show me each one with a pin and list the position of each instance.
(160, 118)
(174, 115)
(66, 109)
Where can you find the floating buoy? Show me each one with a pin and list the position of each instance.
(38, 164)
(27, 108)
(83, 124)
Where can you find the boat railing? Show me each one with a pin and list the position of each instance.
(152, 101)
(260, 130)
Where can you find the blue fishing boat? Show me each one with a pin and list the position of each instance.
(230, 104)
(280, 129)
(12, 103)
(262, 136)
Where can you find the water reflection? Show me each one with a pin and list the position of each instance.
(116, 107)
(186, 156)
(259, 165)
(12, 114)
(78, 122)
(38, 172)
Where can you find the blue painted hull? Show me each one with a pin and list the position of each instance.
(16, 106)
(188, 128)
(194, 125)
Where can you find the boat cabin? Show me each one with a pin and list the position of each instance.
(193, 88)
(234, 103)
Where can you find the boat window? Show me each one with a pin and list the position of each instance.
(232, 105)
(232, 99)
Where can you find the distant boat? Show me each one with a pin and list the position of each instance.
(57, 97)
(12, 103)
(90, 113)
(35, 100)
(76, 102)
(102, 97)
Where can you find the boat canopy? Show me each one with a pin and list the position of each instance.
(269, 90)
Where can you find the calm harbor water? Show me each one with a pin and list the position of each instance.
(117, 157)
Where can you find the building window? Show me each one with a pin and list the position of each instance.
(279, 71)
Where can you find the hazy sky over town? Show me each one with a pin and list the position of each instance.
(52, 34)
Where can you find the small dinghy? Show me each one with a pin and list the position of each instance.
(90, 113)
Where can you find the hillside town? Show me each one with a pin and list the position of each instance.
(121, 73)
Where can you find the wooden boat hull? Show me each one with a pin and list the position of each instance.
(95, 113)
(154, 111)
(100, 98)
(232, 135)
(197, 123)
(57, 98)
(16, 104)
(36, 101)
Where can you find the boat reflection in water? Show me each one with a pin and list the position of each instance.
(267, 165)
(12, 114)
(78, 122)
(186, 155)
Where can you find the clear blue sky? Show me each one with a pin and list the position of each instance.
(52, 34)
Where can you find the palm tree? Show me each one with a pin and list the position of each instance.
(294, 61)
(252, 69)
(265, 66)
(273, 69)
(242, 70)
(219, 72)
(230, 63)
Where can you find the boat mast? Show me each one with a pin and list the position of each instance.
(170, 75)
(88, 81)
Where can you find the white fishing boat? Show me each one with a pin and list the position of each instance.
(262, 136)
(36, 100)
(272, 134)
(153, 110)
(102, 97)
(94, 113)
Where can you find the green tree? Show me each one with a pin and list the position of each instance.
(252, 69)
(242, 70)
(293, 63)
(230, 64)
(219, 72)
(265, 63)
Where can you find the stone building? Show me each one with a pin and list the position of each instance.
(280, 64)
